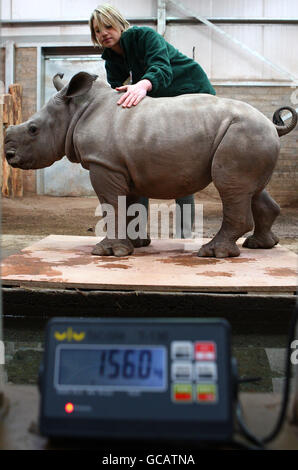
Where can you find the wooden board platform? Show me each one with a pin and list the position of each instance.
(166, 265)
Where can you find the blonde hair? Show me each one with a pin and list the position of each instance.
(109, 16)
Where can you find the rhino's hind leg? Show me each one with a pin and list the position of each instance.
(236, 193)
(219, 249)
(265, 210)
(108, 247)
(237, 220)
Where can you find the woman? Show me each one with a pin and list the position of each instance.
(154, 66)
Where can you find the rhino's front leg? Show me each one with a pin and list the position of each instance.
(110, 247)
(112, 189)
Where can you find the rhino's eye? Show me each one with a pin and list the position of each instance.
(33, 129)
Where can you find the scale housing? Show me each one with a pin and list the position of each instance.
(189, 395)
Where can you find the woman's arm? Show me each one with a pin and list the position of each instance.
(156, 59)
(116, 75)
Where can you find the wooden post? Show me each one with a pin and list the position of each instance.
(12, 178)
(7, 121)
(17, 174)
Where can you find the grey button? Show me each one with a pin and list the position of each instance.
(181, 350)
(182, 371)
(205, 371)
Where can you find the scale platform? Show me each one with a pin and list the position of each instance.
(58, 276)
(171, 265)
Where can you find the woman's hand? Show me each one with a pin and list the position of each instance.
(134, 93)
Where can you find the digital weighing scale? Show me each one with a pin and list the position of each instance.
(134, 378)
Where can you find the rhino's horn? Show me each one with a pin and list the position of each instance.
(57, 80)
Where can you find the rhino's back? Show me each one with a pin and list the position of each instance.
(155, 125)
(160, 135)
(192, 121)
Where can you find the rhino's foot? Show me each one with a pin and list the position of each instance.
(113, 248)
(139, 242)
(217, 249)
(261, 241)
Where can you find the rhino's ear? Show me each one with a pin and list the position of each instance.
(79, 84)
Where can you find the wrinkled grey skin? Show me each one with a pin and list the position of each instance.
(164, 148)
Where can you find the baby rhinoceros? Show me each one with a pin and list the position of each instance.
(164, 148)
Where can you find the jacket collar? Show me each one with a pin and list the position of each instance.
(110, 55)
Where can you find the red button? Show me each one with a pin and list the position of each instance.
(183, 396)
(182, 392)
(205, 351)
(206, 397)
(206, 393)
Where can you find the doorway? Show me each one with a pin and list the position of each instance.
(64, 178)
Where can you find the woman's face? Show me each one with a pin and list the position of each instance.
(106, 35)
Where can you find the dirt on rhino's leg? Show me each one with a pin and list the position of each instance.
(265, 210)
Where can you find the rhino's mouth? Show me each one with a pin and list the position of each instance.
(16, 161)
(22, 165)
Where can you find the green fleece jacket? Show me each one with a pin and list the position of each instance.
(148, 55)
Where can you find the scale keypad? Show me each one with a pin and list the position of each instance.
(194, 372)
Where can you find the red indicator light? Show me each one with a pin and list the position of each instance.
(69, 407)
(206, 397)
(183, 396)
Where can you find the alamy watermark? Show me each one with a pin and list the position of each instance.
(132, 220)
(294, 355)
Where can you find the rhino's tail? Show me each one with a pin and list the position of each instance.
(281, 128)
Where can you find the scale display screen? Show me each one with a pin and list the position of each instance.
(111, 367)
